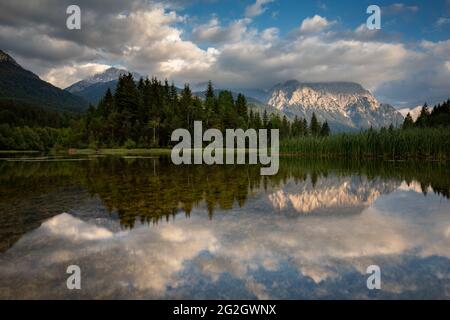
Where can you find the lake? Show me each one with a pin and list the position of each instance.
(140, 227)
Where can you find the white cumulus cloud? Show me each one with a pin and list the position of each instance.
(315, 24)
(256, 9)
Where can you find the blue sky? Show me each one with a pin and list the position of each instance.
(240, 43)
(414, 20)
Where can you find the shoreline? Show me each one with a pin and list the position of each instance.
(167, 151)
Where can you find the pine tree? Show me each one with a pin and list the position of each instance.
(325, 130)
(314, 125)
(209, 94)
(409, 122)
(109, 100)
(422, 120)
(242, 110)
(265, 119)
(186, 107)
(228, 110)
(210, 105)
(126, 96)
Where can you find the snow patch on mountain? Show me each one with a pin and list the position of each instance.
(108, 75)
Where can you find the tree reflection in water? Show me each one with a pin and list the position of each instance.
(151, 189)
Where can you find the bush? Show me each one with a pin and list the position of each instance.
(130, 144)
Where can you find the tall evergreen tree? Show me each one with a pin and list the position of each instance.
(227, 110)
(408, 123)
(209, 94)
(186, 107)
(265, 119)
(304, 127)
(210, 105)
(285, 129)
(422, 120)
(325, 130)
(242, 110)
(314, 125)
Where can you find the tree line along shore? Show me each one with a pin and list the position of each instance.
(143, 114)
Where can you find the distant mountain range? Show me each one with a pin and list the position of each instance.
(346, 106)
(24, 87)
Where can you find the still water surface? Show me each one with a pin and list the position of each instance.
(140, 227)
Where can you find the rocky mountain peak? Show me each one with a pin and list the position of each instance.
(345, 105)
(110, 74)
(4, 57)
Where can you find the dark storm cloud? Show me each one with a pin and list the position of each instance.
(42, 20)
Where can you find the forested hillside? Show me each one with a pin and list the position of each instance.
(22, 85)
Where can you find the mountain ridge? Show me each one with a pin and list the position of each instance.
(19, 84)
(344, 105)
(110, 74)
(93, 88)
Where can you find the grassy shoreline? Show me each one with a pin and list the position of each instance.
(18, 151)
(117, 151)
(414, 144)
(410, 144)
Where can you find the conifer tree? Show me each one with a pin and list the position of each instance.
(210, 104)
(325, 130)
(186, 107)
(242, 110)
(422, 120)
(304, 127)
(285, 128)
(409, 122)
(314, 125)
(227, 110)
(265, 119)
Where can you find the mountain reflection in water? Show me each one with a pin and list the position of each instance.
(308, 232)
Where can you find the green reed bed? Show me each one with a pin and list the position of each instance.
(418, 143)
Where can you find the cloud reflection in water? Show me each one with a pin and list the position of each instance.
(250, 252)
